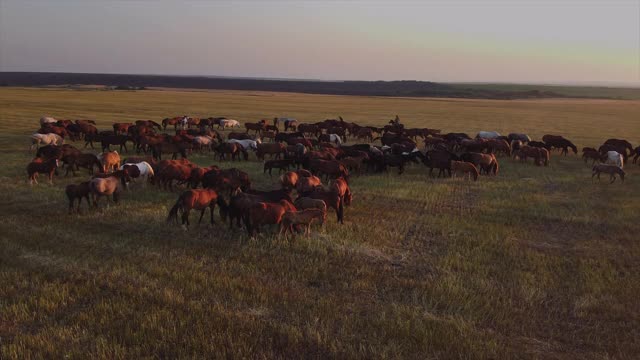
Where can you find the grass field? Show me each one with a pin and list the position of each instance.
(534, 263)
(624, 93)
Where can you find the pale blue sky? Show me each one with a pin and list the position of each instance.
(500, 41)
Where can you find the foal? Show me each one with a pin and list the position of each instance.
(612, 170)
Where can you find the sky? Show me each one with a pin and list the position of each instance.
(540, 41)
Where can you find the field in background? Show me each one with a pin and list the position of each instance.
(534, 263)
(613, 92)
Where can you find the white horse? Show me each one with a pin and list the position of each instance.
(488, 135)
(247, 144)
(229, 123)
(334, 138)
(45, 139)
(145, 168)
(47, 120)
(615, 158)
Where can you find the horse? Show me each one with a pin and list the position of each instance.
(540, 155)
(256, 127)
(109, 140)
(620, 143)
(232, 148)
(488, 135)
(465, 168)
(170, 148)
(121, 128)
(45, 139)
(203, 142)
(228, 123)
(341, 186)
(612, 170)
(330, 138)
(88, 161)
(301, 217)
(148, 123)
(110, 160)
(271, 149)
(591, 154)
(289, 180)
(559, 142)
(331, 198)
(281, 165)
(47, 120)
(247, 144)
(265, 214)
(38, 166)
(197, 199)
(145, 170)
(441, 160)
(309, 183)
(328, 168)
(484, 162)
(518, 136)
(77, 192)
(614, 158)
(111, 184)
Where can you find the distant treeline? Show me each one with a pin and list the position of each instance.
(363, 88)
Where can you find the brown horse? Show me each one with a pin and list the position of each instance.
(540, 155)
(341, 186)
(331, 198)
(256, 127)
(559, 142)
(265, 214)
(591, 155)
(289, 180)
(307, 183)
(271, 149)
(121, 128)
(329, 168)
(77, 192)
(110, 161)
(108, 184)
(484, 162)
(302, 217)
(197, 199)
(37, 166)
(75, 161)
(612, 170)
(465, 168)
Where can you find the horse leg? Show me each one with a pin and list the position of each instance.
(185, 217)
(201, 215)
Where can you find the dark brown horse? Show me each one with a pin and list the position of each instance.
(197, 199)
(559, 142)
(331, 198)
(77, 192)
(38, 166)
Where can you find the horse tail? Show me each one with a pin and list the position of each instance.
(173, 213)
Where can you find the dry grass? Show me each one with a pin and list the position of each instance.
(536, 263)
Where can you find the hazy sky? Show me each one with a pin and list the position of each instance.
(504, 41)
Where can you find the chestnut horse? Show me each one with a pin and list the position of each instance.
(197, 199)
(37, 166)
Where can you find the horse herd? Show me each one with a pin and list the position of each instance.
(306, 154)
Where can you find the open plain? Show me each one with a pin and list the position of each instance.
(537, 262)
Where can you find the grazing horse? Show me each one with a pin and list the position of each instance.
(256, 127)
(45, 139)
(76, 160)
(197, 199)
(145, 170)
(228, 123)
(589, 154)
(331, 199)
(465, 168)
(614, 158)
(281, 165)
(110, 161)
(484, 162)
(559, 142)
(109, 140)
(289, 180)
(234, 149)
(612, 170)
(41, 167)
(301, 217)
(309, 183)
(77, 192)
(539, 155)
(266, 214)
(47, 120)
(111, 184)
